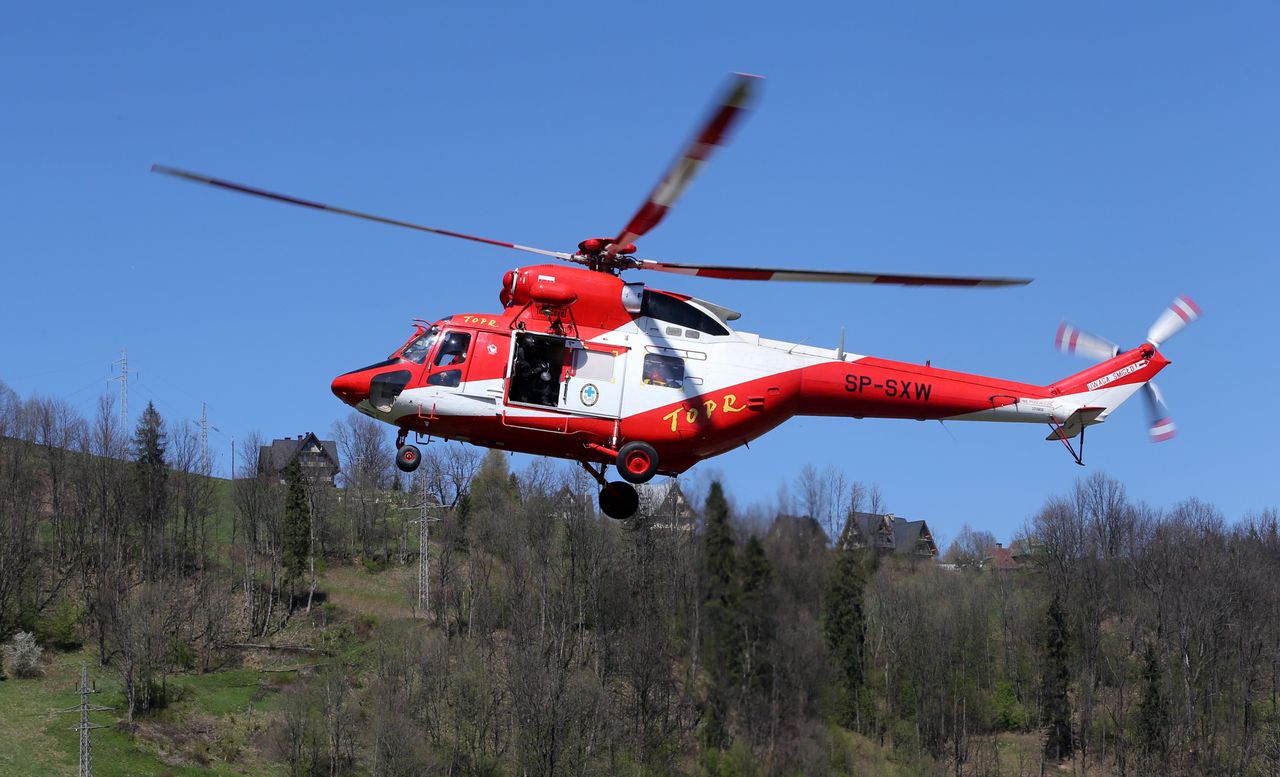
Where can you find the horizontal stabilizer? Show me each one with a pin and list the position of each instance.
(1085, 416)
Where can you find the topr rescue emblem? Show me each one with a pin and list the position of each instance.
(590, 394)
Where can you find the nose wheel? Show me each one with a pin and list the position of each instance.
(408, 457)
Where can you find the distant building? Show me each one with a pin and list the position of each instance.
(889, 535)
(319, 458)
(801, 532)
(1017, 556)
(665, 506)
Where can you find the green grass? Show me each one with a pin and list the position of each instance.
(223, 693)
(207, 729)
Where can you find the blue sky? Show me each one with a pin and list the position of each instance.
(1121, 154)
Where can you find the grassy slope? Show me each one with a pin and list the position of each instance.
(215, 721)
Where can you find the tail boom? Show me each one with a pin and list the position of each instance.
(880, 388)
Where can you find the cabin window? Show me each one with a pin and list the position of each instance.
(593, 365)
(666, 371)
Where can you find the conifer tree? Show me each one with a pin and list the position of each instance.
(1153, 714)
(297, 525)
(757, 616)
(150, 485)
(844, 626)
(1056, 715)
(723, 642)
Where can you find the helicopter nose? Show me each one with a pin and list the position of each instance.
(352, 387)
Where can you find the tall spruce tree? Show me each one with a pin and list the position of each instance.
(1153, 713)
(150, 480)
(844, 626)
(722, 645)
(1055, 684)
(757, 616)
(297, 526)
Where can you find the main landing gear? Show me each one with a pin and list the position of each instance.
(618, 500)
(408, 457)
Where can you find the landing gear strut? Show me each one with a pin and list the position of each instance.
(408, 457)
(618, 500)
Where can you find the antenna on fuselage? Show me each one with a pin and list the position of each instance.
(840, 348)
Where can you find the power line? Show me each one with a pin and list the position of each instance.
(123, 377)
(85, 726)
(204, 438)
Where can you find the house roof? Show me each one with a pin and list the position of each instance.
(907, 534)
(887, 533)
(276, 456)
(871, 529)
(665, 499)
(1000, 557)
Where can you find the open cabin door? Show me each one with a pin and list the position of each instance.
(565, 374)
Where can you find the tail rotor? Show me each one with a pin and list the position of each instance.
(1174, 318)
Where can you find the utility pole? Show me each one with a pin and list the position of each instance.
(123, 377)
(424, 521)
(84, 726)
(204, 437)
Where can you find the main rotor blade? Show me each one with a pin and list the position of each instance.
(715, 132)
(823, 276)
(243, 189)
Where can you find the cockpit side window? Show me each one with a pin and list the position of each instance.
(453, 349)
(418, 348)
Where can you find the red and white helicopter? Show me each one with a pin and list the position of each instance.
(583, 365)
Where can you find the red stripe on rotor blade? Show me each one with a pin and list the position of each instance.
(911, 280)
(648, 217)
(714, 134)
(737, 275)
(1187, 310)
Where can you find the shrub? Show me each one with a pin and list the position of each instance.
(22, 655)
(1007, 714)
(60, 628)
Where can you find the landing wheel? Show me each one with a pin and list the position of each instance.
(408, 457)
(637, 462)
(619, 500)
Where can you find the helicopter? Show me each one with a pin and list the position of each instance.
(583, 365)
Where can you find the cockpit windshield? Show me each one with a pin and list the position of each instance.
(417, 349)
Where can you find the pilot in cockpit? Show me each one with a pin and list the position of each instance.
(453, 350)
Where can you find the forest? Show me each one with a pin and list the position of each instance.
(278, 625)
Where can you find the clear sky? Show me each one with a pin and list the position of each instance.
(1120, 153)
